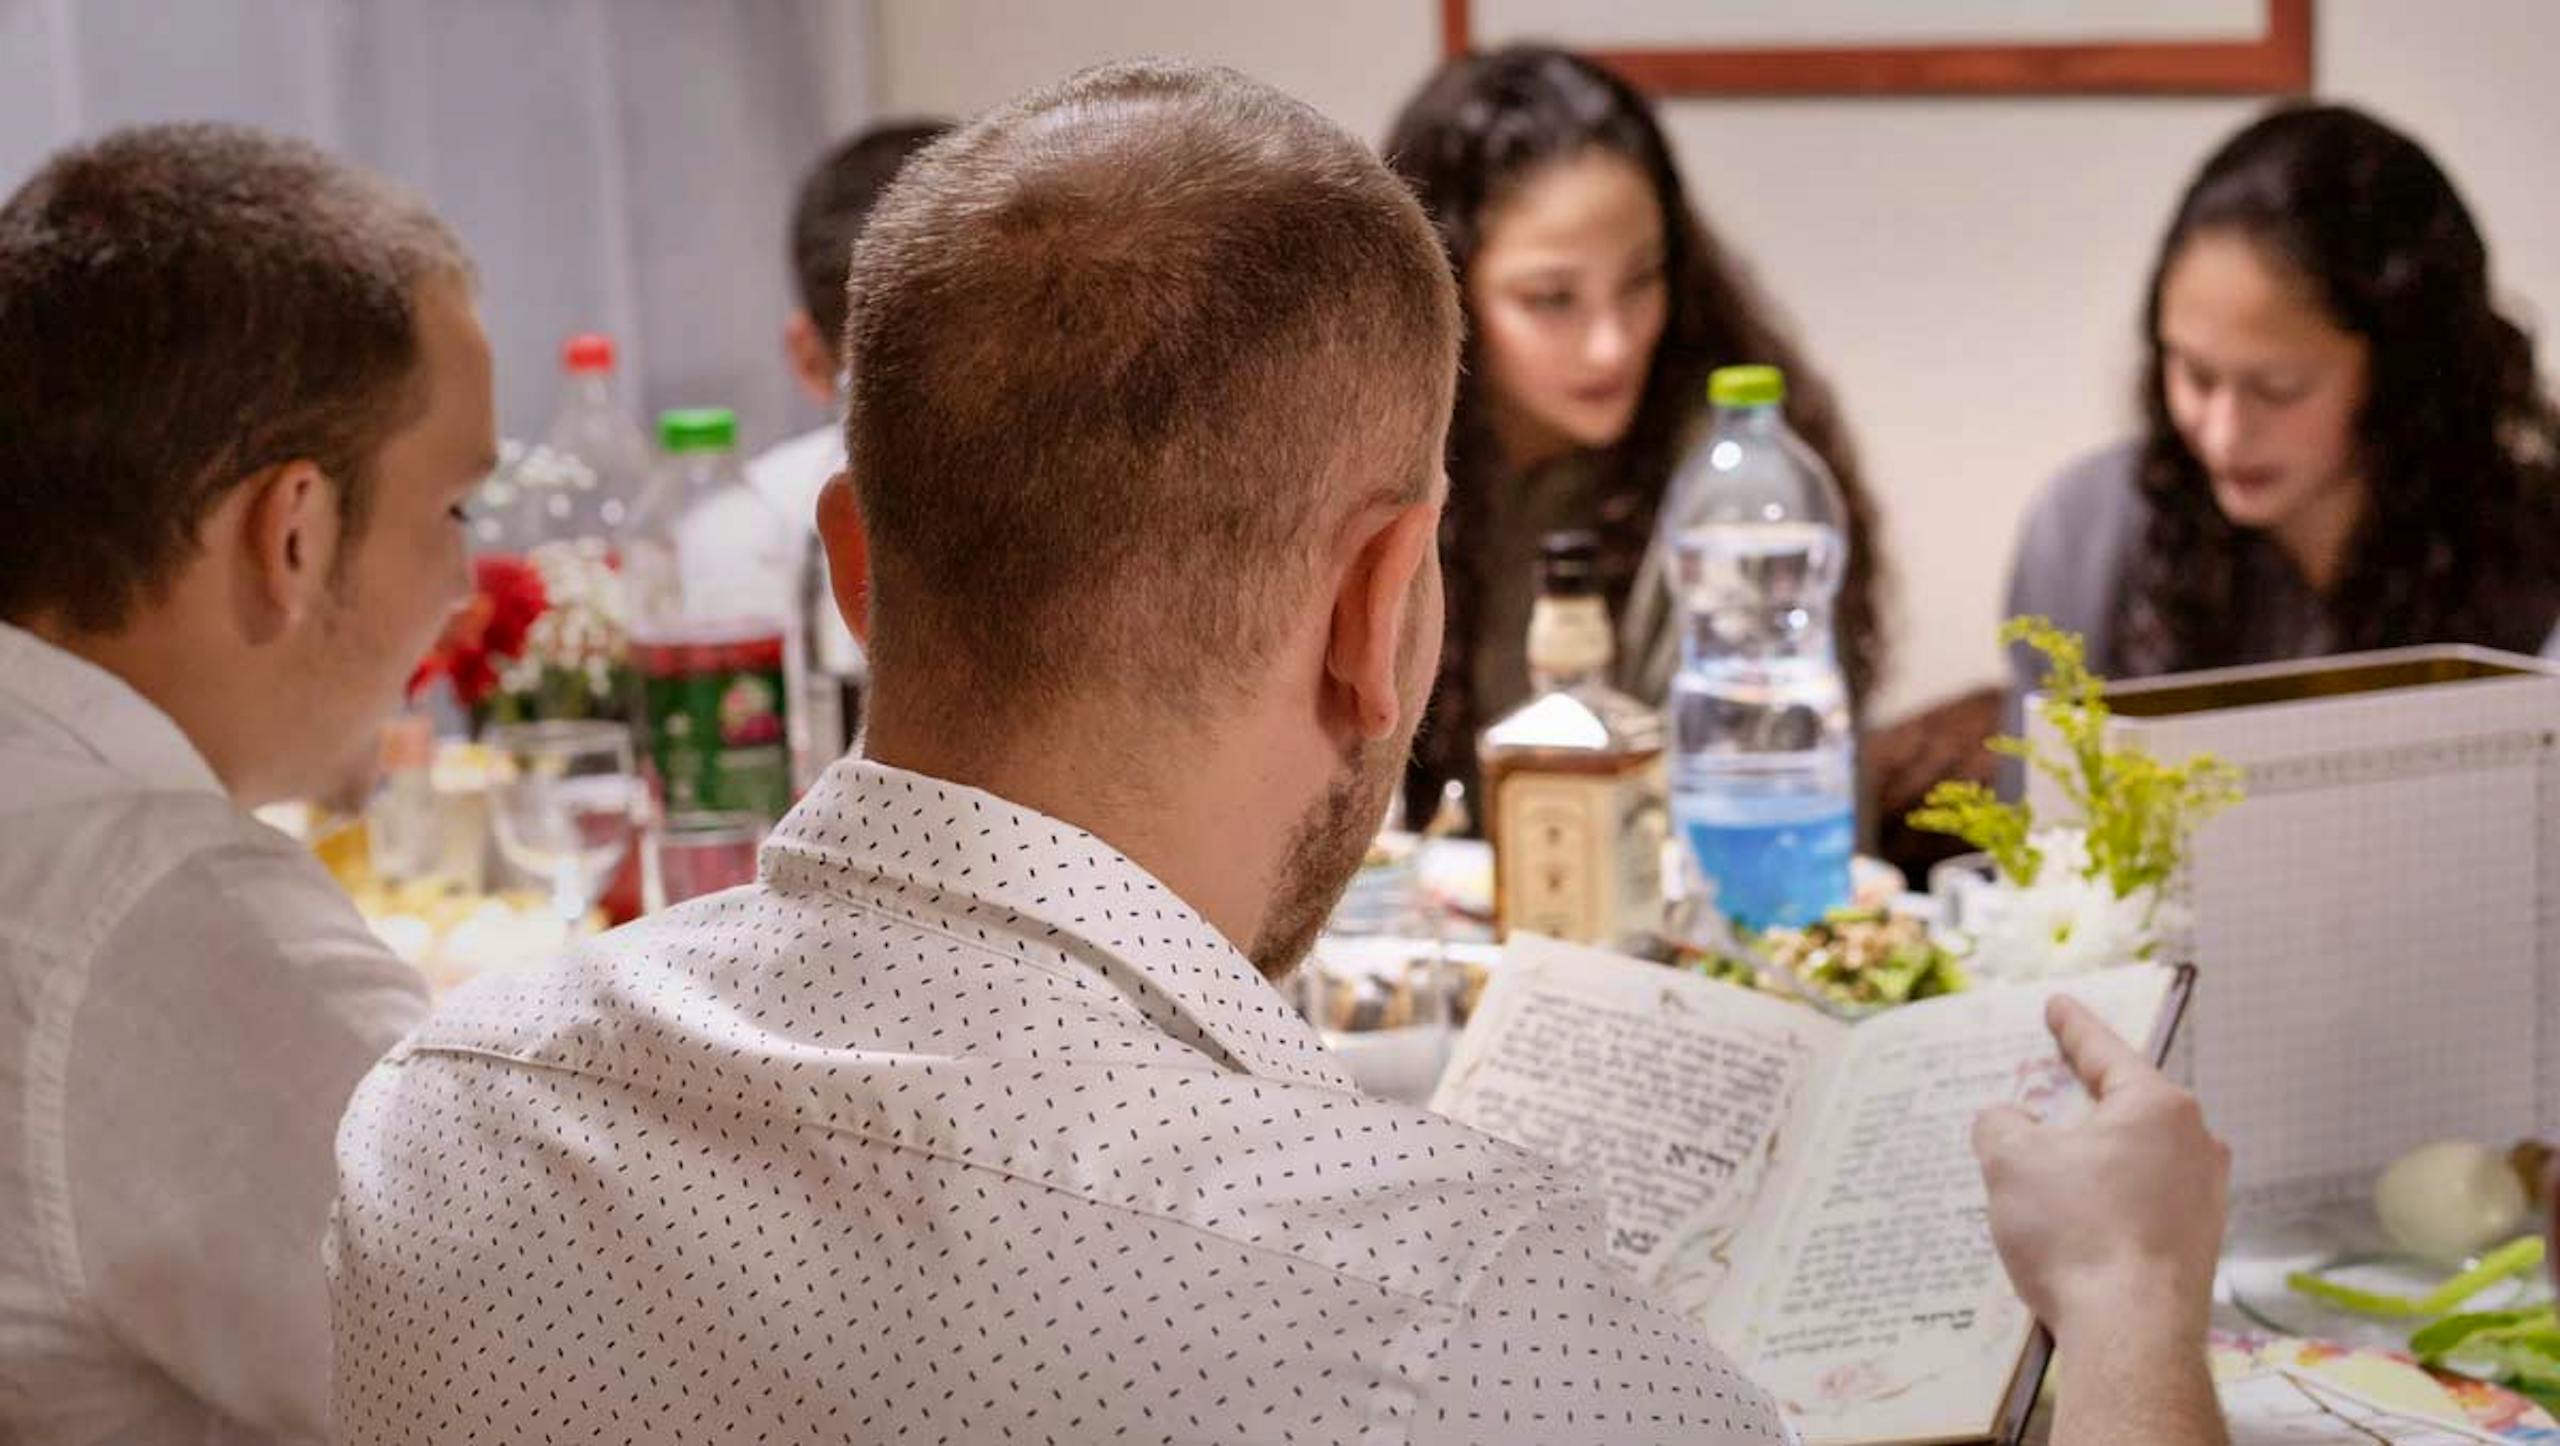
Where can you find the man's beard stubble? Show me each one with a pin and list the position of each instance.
(1326, 848)
(1331, 839)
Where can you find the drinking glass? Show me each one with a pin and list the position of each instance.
(566, 804)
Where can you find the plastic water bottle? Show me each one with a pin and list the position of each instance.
(1758, 719)
(709, 567)
(562, 507)
(605, 463)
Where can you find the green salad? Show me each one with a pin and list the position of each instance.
(2519, 1349)
(1859, 959)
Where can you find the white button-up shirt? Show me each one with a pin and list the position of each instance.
(957, 1126)
(186, 1000)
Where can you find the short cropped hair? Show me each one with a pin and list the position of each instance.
(836, 197)
(1120, 352)
(181, 308)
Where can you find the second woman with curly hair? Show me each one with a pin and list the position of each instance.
(2345, 443)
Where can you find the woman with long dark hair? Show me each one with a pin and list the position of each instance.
(1597, 302)
(2345, 443)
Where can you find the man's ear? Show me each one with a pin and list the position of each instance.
(812, 357)
(1373, 609)
(848, 553)
(288, 537)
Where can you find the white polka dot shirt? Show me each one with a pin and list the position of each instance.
(957, 1127)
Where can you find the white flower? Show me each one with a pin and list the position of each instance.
(2066, 922)
(585, 627)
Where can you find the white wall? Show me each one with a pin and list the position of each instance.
(1969, 272)
(1352, 59)
(846, 31)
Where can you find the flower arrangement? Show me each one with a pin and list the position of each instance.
(508, 598)
(2093, 893)
(547, 632)
(577, 651)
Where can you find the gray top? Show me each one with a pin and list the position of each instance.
(2076, 552)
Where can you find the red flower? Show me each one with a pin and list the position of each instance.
(487, 630)
(513, 588)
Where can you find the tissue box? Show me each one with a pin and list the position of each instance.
(2377, 927)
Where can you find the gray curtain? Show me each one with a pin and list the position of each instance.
(615, 165)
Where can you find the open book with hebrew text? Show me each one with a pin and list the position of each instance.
(1804, 1188)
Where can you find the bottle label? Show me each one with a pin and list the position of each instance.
(716, 725)
(1786, 868)
(1580, 856)
(1570, 636)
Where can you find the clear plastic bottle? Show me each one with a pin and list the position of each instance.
(562, 506)
(596, 497)
(1762, 770)
(709, 568)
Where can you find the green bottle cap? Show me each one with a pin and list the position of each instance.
(1746, 386)
(698, 429)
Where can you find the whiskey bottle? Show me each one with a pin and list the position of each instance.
(1574, 778)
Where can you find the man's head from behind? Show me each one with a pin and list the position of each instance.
(836, 197)
(1151, 377)
(243, 397)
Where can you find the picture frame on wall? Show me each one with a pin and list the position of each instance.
(1916, 47)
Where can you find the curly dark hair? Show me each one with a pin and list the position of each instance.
(1478, 130)
(2460, 445)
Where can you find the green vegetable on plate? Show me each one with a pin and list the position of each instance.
(2515, 1258)
(2518, 1348)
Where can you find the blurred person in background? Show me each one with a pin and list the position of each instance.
(2344, 445)
(244, 398)
(836, 197)
(1598, 300)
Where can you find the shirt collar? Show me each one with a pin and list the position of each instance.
(977, 854)
(97, 713)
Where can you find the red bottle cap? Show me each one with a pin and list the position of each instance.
(587, 352)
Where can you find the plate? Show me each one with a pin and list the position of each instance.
(2344, 1246)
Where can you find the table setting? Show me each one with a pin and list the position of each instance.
(2394, 1288)
(2401, 1297)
